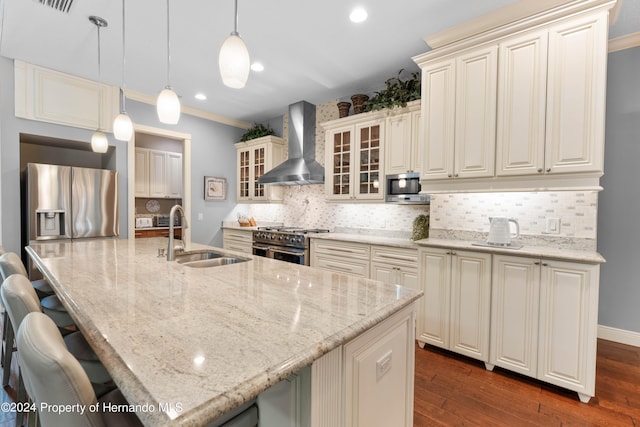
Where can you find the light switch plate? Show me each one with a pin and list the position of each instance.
(553, 226)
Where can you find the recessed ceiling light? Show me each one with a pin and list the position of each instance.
(201, 96)
(358, 15)
(256, 66)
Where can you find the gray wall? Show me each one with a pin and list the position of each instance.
(619, 202)
(213, 154)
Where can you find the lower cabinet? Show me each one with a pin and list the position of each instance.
(288, 403)
(455, 309)
(341, 257)
(544, 320)
(238, 240)
(398, 266)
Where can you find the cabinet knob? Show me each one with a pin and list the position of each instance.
(540, 170)
(455, 176)
(448, 252)
(453, 252)
(537, 263)
(544, 264)
(449, 176)
(548, 169)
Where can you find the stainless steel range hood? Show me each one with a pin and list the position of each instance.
(301, 168)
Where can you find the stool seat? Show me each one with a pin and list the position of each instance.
(42, 287)
(52, 307)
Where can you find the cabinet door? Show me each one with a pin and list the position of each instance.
(244, 168)
(258, 165)
(438, 117)
(470, 304)
(157, 174)
(399, 144)
(568, 325)
(368, 162)
(576, 95)
(141, 173)
(339, 147)
(435, 278)
(174, 175)
(417, 147)
(475, 118)
(514, 314)
(521, 105)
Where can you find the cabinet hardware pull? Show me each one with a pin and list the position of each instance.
(548, 169)
(449, 176)
(544, 264)
(398, 257)
(537, 263)
(337, 267)
(540, 170)
(455, 176)
(453, 252)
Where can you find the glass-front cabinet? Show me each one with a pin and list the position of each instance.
(354, 154)
(255, 158)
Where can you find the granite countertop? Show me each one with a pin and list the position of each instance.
(202, 341)
(549, 252)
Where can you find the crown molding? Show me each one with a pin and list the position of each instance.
(522, 14)
(151, 100)
(625, 42)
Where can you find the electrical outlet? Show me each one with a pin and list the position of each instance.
(200, 216)
(383, 365)
(553, 226)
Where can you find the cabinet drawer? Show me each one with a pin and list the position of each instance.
(238, 235)
(357, 267)
(404, 257)
(340, 249)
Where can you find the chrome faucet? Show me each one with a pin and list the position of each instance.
(173, 248)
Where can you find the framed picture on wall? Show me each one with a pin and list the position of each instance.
(215, 188)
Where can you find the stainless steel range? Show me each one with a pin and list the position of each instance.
(289, 244)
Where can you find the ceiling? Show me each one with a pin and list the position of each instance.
(309, 48)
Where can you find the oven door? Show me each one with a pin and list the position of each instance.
(293, 255)
(260, 249)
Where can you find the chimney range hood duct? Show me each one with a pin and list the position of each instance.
(301, 168)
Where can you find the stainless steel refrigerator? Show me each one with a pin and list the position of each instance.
(66, 202)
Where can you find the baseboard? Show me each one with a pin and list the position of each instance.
(619, 335)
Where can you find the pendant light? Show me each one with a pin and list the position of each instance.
(168, 104)
(122, 125)
(234, 58)
(99, 143)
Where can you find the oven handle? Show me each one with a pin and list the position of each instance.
(264, 248)
(282, 251)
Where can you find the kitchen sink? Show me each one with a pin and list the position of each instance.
(207, 258)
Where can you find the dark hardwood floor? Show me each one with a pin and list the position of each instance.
(452, 390)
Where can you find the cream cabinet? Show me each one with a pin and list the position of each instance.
(237, 240)
(458, 112)
(551, 99)
(255, 158)
(403, 150)
(341, 257)
(354, 159)
(397, 266)
(455, 309)
(158, 174)
(544, 320)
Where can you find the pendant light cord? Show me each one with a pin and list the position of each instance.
(122, 97)
(168, 50)
(235, 26)
(99, 84)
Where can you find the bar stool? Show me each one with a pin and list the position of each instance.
(53, 376)
(11, 264)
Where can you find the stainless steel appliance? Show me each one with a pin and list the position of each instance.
(405, 188)
(163, 220)
(289, 244)
(66, 202)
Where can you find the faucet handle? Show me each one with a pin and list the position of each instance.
(160, 252)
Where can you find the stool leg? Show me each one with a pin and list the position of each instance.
(21, 398)
(8, 352)
(5, 316)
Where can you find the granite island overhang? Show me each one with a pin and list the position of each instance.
(207, 339)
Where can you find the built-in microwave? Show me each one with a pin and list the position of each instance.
(405, 188)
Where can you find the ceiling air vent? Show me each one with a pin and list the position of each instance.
(61, 5)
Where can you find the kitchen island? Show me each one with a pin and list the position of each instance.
(195, 343)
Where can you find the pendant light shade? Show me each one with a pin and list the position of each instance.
(234, 62)
(99, 142)
(233, 59)
(122, 125)
(168, 107)
(168, 104)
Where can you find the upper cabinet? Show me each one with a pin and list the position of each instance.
(354, 159)
(552, 99)
(255, 158)
(158, 174)
(458, 109)
(403, 151)
(519, 106)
